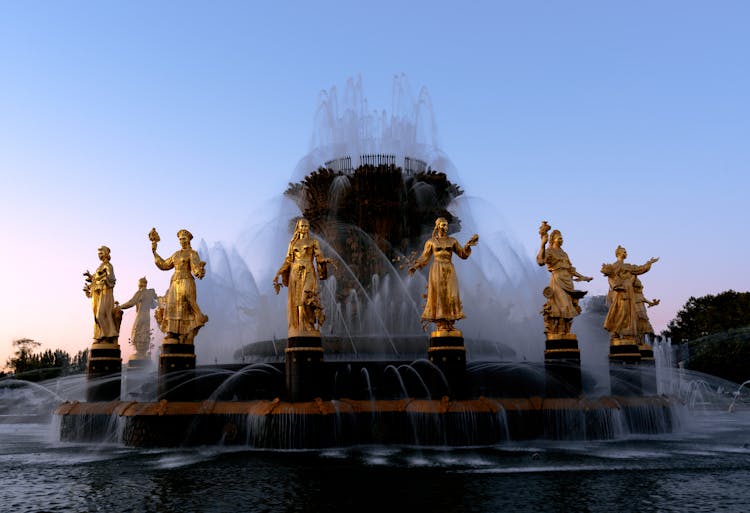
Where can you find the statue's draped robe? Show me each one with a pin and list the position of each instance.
(643, 325)
(299, 266)
(143, 300)
(443, 299)
(103, 302)
(622, 317)
(561, 284)
(182, 315)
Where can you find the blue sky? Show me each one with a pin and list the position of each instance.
(620, 123)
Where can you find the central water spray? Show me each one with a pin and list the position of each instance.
(371, 186)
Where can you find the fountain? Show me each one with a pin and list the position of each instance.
(351, 364)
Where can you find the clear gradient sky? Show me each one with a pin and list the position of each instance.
(618, 122)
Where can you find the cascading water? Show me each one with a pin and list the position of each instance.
(664, 366)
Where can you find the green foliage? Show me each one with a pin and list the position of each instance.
(726, 355)
(24, 358)
(36, 366)
(79, 362)
(710, 314)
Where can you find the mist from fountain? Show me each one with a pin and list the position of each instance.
(25, 401)
(500, 284)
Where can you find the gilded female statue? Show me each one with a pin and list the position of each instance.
(144, 300)
(623, 301)
(562, 298)
(100, 288)
(299, 272)
(443, 306)
(643, 324)
(182, 317)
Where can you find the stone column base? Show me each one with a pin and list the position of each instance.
(624, 350)
(135, 363)
(624, 367)
(176, 371)
(562, 363)
(448, 353)
(304, 368)
(648, 369)
(103, 372)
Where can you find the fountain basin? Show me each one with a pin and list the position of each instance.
(277, 424)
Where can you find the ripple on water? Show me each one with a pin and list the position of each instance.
(540, 469)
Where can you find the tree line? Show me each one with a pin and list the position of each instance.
(716, 329)
(32, 365)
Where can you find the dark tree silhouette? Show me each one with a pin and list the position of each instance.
(710, 314)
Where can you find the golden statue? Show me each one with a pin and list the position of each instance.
(100, 288)
(623, 316)
(562, 298)
(304, 310)
(643, 326)
(180, 317)
(443, 306)
(144, 301)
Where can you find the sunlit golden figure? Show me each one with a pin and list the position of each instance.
(305, 313)
(443, 306)
(144, 300)
(622, 319)
(643, 326)
(181, 318)
(562, 298)
(100, 288)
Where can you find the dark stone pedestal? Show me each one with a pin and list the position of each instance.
(138, 364)
(304, 368)
(624, 367)
(562, 363)
(624, 350)
(103, 372)
(138, 380)
(447, 353)
(176, 371)
(648, 369)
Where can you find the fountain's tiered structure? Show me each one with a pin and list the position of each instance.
(407, 396)
(372, 376)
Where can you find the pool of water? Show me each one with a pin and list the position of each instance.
(705, 467)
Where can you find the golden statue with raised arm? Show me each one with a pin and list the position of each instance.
(443, 306)
(299, 272)
(562, 298)
(100, 288)
(181, 317)
(144, 300)
(625, 305)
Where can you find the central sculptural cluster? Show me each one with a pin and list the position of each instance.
(305, 264)
(180, 318)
